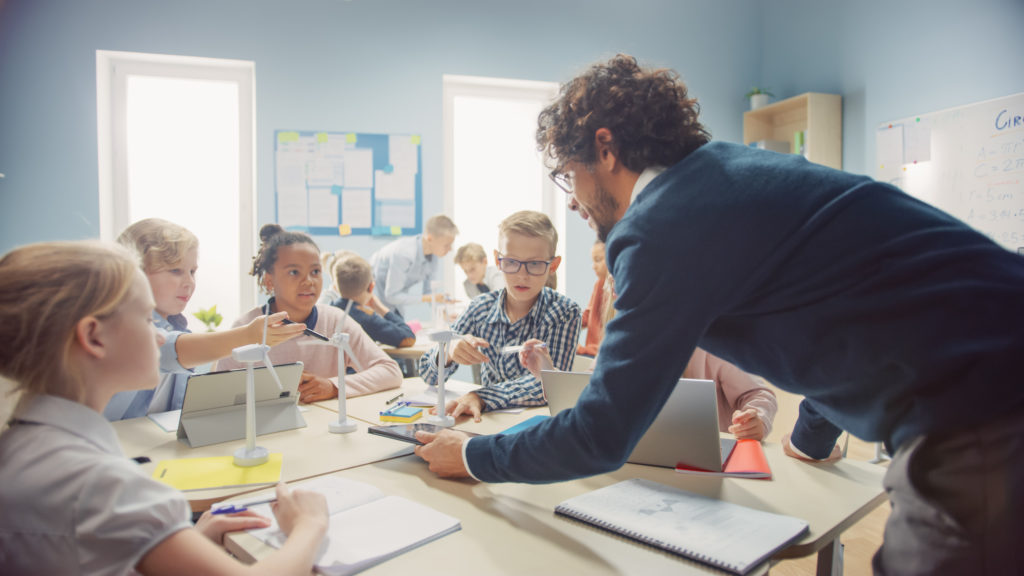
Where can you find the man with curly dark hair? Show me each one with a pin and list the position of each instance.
(896, 321)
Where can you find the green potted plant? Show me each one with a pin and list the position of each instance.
(210, 317)
(759, 97)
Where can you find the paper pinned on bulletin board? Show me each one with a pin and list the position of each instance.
(342, 183)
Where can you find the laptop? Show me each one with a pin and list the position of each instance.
(214, 406)
(684, 432)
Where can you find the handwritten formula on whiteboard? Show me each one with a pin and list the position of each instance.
(967, 161)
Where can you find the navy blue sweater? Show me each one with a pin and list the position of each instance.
(389, 329)
(893, 318)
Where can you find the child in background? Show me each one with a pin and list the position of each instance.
(480, 278)
(169, 256)
(353, 280)
(405, 269)
(327, 262)
(76, 319)
(525, 309)
(288, 268)
(746, 408)
(594, 313)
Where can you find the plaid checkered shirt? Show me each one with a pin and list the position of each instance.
(553, 319)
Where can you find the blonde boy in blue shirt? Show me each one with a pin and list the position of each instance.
(169, 256)
(523, 310)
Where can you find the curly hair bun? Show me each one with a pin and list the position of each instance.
(268, 231)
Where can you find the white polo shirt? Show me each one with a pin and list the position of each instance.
(71, 502)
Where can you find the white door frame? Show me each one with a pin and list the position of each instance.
(112, 71)
(499, 88)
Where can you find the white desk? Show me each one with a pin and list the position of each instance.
(368, 408)
(309, 451)
(512, 528)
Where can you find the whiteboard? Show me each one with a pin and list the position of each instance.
(967, 161)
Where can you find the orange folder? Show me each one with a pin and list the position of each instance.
(747, 460)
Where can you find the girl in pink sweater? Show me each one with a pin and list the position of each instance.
(288, 268)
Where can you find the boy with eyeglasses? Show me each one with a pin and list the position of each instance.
(523, 310)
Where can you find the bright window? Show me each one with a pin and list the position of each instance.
(179, 133)
(492, 166)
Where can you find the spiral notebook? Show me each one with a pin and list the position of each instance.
(725, 535)
(366, 526)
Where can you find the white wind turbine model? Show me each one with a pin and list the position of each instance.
(435, 285)
(442, 337)
(340, 341)
(251, 454)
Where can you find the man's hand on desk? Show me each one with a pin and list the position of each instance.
(443, 451)
(787, 447)
(313, 388)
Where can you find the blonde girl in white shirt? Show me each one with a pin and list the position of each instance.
(76, 325)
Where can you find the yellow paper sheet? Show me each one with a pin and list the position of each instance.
(217, 472)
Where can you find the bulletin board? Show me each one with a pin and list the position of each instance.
(967, 161)
(342, 183)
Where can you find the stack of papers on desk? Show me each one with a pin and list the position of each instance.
(366, 528)
(401, 413)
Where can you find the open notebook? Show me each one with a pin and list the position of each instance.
(722, 534)
(367, 526)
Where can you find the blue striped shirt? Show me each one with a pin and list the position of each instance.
(554, 319)
(170, 392)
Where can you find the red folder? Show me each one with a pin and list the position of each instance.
(747, 460)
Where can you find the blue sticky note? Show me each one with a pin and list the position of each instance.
(389, 169)
(528, 423)
(403, 411)
(336, 190)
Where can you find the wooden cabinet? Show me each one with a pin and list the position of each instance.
(818, 116)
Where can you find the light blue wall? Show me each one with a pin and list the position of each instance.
(376, 66)
(891, 59)
(360, 65)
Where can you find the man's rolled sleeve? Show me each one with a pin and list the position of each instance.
(465, 459)
(169, 363)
